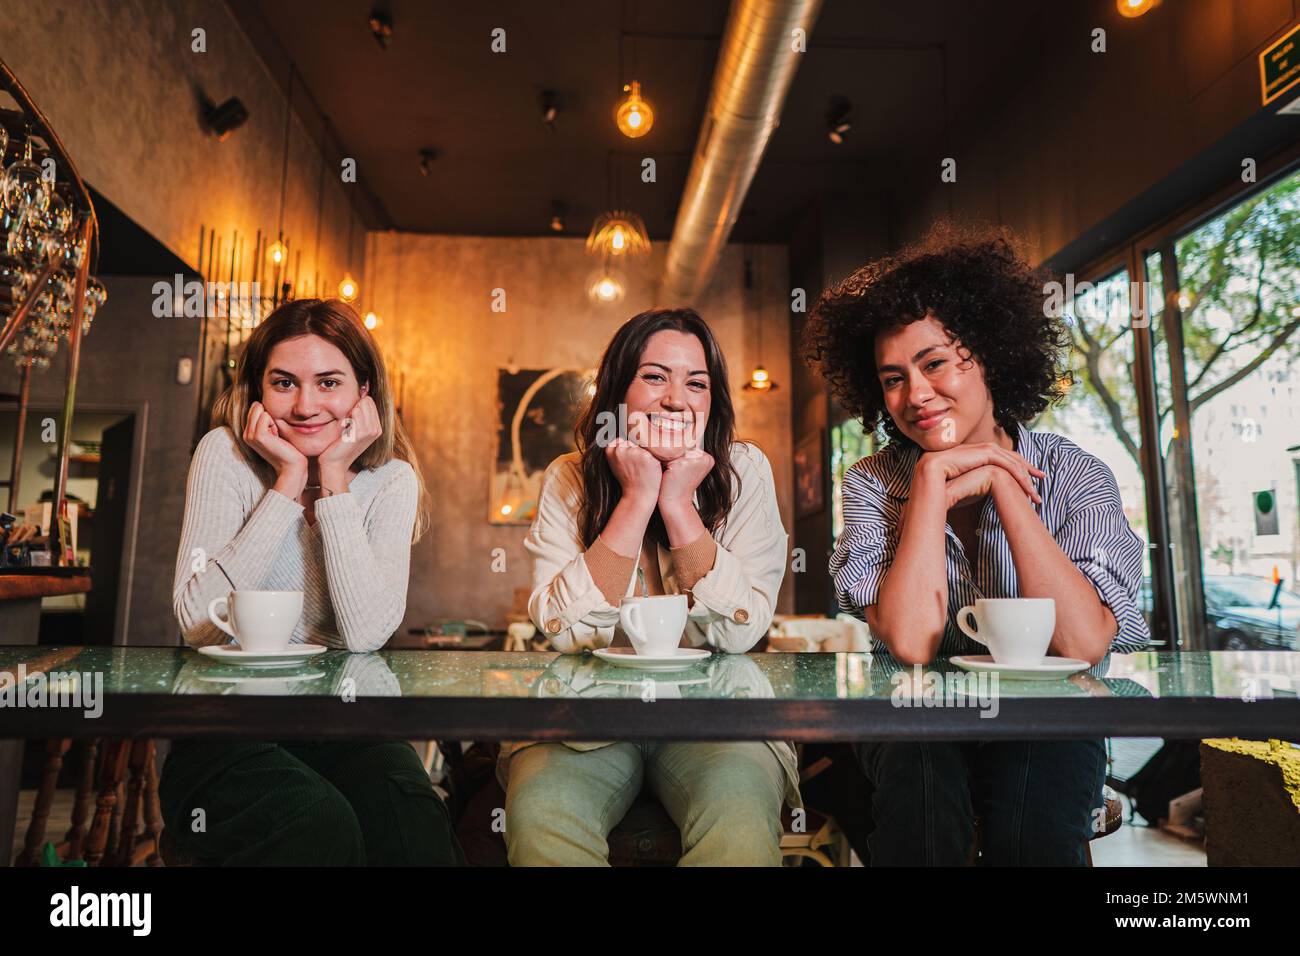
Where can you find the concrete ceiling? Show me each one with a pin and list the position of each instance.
(498, 170)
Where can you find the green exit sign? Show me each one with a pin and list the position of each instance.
(1279, 66)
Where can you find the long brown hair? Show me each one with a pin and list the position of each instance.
(618, 366)
(337, 323)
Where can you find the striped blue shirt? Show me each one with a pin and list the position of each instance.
(1081, 508)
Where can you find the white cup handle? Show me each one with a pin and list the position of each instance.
(963, 623)
(629, 615)
(222, 623)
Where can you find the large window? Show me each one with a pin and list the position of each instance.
(850, 443)
(1100, 410)
(1230, 415)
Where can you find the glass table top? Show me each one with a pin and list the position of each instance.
(1242, 675)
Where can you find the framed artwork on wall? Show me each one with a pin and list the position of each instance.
(536, 412)
(809, 473)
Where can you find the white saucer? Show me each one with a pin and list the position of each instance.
(667, 681)
(261, 678)
(627, 657)
(234, 654)
(1050, 668)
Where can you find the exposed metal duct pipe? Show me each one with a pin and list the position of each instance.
(756, 65)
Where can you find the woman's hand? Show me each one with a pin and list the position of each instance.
(638, 472)
(681, 477)
(263, 436)
(969, 487)
(360, 429)
(952, 463)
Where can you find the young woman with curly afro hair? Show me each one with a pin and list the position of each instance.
(949, 346)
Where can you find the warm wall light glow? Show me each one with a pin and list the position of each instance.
(371, 321)
(506, 509)
(760, 380)
(348, 287)
(633, 114)
(1135, 8)
(276, 252)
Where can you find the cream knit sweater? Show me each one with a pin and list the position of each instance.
(352, 566)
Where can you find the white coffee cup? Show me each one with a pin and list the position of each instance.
(654, 625)
(260, 621)
(1015, 630)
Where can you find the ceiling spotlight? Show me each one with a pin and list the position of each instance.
(381, 27)
(837, 119)
(557, 216)
(550, 109)
(226, 118)
(427, 156)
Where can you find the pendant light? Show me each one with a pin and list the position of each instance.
(633, 115)
(348, 287)
(760, 380)
(277, 253)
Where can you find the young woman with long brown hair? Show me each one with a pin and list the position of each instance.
(308, 483)
(674, 501)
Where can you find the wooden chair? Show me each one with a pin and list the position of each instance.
(817, 838)
(119, 803)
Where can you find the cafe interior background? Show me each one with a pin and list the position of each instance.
(476, 197)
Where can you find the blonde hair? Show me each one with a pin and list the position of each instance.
(337, 323)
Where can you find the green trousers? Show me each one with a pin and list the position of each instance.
(725, 798)
(304, 804)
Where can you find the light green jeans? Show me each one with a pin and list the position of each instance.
(725, 798)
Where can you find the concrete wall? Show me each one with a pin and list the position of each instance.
(434, 295)
(120, 84)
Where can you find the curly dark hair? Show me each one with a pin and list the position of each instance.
(977, 282)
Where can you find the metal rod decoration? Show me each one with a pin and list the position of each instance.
(62, 554)
(16, 468)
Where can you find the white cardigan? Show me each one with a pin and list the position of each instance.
(734, 602)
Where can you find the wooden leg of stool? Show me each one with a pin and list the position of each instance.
(54, 751)
(76, 838)
(131, 814)
(115, 821)
(111, 769)
(152, 810)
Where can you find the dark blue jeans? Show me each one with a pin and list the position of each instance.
(1034, 799)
